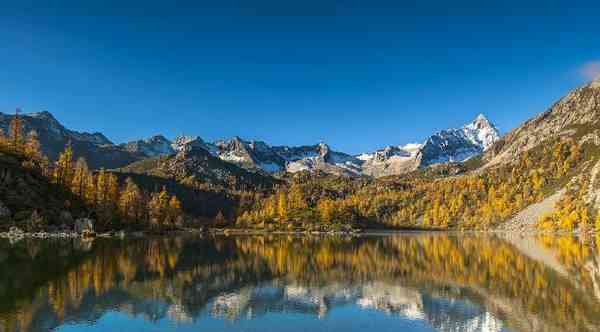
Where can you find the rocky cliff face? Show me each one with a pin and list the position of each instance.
(250, 154)
(319, 157)
(576, 115)
(152, 147)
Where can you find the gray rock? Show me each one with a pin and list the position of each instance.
(66, 217)
(4, 211)
(84, 225)
(15, 231)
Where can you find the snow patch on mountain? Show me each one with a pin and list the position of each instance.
(154, 146)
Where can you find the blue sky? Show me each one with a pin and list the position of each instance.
(357, 74)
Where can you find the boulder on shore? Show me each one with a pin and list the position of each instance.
(84, 225)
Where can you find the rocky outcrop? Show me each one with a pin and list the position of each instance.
(574, 116)
(84, 226)
(152, 147)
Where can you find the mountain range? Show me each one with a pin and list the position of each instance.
(257, 156)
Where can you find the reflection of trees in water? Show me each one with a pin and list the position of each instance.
(43, 284)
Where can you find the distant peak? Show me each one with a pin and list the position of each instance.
(481, 117)
(158, 137)
(41, 115)
(595, 83)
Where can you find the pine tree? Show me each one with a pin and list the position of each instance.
(296, 198)
(4, 142)
(16, 132)
(112, 191)
(63, 172)
(158, 207)
(101, 188)
(175, 214)
(130, 201)
(282, 207)
(32, 146)
(325, 208)
(80, 178)
(219, 218)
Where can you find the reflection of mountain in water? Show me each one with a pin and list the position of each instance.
(451, 283)
(441, 313)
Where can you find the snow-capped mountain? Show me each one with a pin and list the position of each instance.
(250, 154)
(318, 157)
(443, 314)
(444, 146)
(258, 155)
(152, 147)
(459, 144)
(184, 142)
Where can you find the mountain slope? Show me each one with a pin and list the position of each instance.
(94, 147)
(576, 115)
(196, 167)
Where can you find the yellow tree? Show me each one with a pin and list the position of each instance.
(112, 191)
(16, 132)
(130, 200)
(4, 142)
(157, 207)
(32, 146)
(325, 208)
(175, 213)
(296, 198)
(282, 205)
(80, 178)
(100, 188)
(64, 167)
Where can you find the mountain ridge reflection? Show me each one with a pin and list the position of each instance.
(450, 282)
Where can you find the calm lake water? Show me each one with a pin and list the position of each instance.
(416, 282)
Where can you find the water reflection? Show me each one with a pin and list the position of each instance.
(421, 282)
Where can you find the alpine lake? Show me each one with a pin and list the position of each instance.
(368, 282)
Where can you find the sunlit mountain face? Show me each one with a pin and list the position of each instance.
(420, 282)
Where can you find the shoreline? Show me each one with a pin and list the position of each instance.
(18, 234)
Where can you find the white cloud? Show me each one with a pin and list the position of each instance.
(590, 70)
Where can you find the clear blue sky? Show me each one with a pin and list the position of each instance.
(356, 74)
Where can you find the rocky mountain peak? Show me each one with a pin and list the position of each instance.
(183, 142)
(44, 115)
(595, 84)
(481, 132)
(323, 149)
(154, 146)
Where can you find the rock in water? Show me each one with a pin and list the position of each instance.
(84, 225)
